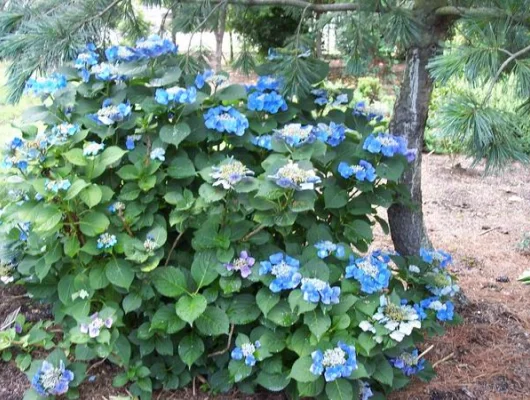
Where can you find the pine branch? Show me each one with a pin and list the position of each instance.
(335, 7)
(501, 69)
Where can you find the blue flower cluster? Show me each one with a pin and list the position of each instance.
(270, 102)
(370, 113)
(325, 248)
(438, 258)
(153, 46)
(107, 72)
(372, 273)
(226, 119)
(85, 60)
(408, 363)
(269, 82)
(248, 351)
(91, 149)
(61, 133)
(110, 113)
(106, 241)
(322, 98)
(316, 290)
(201, 79)
(444, 311)
(176, 95)
(230, 173)
(45, 86)
(364, 171)
(55, 186)
(130, 141)
(291, 176)
(285, 270)
(332, 134)
(50, 380)
(263, 141)
(295, 135)
(389, 145)
(339, 362)
(158, 153)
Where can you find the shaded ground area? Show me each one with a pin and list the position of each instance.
(481, 222)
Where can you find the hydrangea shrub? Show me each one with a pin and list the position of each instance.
(182, 227)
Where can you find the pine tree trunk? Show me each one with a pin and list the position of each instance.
(411, 111)
(410, 116)
(219, 35)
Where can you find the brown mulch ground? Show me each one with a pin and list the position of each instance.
(480, 220)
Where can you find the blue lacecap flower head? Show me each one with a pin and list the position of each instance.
(247, 351)
(285, 270)
(339, 362)
(364, 171)
(332, 134)
(408, 363)
(316, 290)
(372, 273)
(226, 119)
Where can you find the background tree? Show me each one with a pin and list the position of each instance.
(38, 35)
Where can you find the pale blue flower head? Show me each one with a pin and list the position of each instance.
(387, 144)
(408, 363)
(295, 135)
(155, 46)
(248, 352)
(263, 141)
(373, 274)
(332, 134)
(158, 154)
(270, 102)
(230, 173)
(50, 380)
(226, 119)
(339, 362)
(106, 241)
(292, 176)
(364, 171)
(55, 186)
(269, 82)
(285, 270)
(201, 79)
(110, 113)
(316, 290)
(44, 86)
(175, 95)
(437, 258)
(91, 149)
(325, 248)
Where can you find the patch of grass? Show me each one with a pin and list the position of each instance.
(10, 113)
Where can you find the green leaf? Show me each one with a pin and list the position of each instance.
(169, 281)
(119, 272)
(213, 322)
(131, 302)
(335, 197)
(94, 223)
(190, 348)
(282, 315)
(76, 157)
(76, 187)
(232, 93)
(164, 346)
(243, 310)
(97, 278)
(266, 300)
(298, 304)
(171, 75)
(211, 194)
(384, 372)
(318, 322)
(339, 389)
(91, 195)
(390, 169)
(204, 268)
(175, 134)
(301, 370)
(47, 218)
(273, 382)
(239, 370)
(111, 155)
(189, 308)
(181, 167)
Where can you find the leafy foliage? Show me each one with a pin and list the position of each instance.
(141, 230)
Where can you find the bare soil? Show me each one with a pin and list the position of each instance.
(480, 220)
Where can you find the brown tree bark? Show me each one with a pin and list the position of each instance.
(407, 225)
(219, 35)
